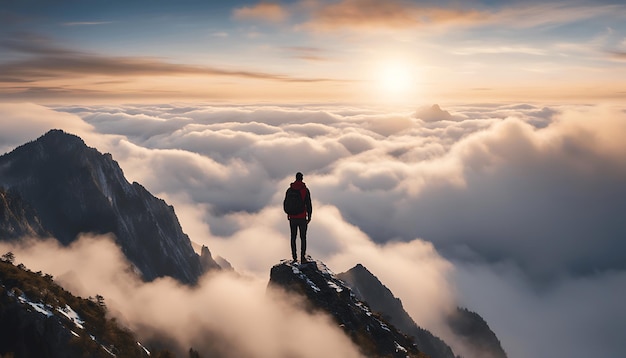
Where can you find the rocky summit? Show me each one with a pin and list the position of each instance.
(323, 291)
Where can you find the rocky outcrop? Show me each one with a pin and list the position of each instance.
(369, 288)
(71, 188)
(325, 292)
(207, 261)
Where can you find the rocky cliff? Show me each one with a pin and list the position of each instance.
(58, 186)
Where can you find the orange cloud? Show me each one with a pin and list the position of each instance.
(46, 70)
(265, 11)
(392, 14)
(618, 55)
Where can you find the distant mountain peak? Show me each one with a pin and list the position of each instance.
(327, 293)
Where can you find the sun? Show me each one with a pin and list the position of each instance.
(395, 78)
(395, 81)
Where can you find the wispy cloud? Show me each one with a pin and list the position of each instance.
(85, 64)
(308, 53)
(44, 61)
(525, 50)
(87, 23)
(618, 55)
(359, 15)
(61, 62)
(264, 11)
(394, 14)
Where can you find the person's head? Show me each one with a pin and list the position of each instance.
(299, 176)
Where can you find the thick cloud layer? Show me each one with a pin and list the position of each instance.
(535, 189)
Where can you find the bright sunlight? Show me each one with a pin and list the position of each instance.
(396, 81)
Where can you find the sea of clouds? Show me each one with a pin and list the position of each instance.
(516, 211)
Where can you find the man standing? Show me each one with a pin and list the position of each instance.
(297, 205)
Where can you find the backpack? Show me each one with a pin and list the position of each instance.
(293, 203)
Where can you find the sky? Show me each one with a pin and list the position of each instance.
(466, 153)
(391, 53)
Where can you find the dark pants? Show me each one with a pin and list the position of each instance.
(294, 225)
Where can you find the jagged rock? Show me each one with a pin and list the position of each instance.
(474, 333)
(207, 261)
(325, 292)
(224, 264)
(73, 189)
(369, 288)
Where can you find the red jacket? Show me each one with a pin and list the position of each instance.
(306, 196)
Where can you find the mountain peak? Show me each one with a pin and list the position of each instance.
(73, 189)
(327, 293)
(56, 141)
(60, 135)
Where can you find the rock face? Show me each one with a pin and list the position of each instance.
(471, 329)
(369, 288)
(17, 219)
(325, 292)
(57, 185)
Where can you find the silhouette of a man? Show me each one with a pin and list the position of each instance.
(300, 221)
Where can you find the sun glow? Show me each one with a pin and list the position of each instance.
(395, 81)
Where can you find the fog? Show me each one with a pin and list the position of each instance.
(224, 314)
(512, 210)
